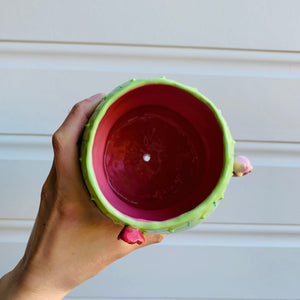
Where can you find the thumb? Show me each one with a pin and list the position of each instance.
(66, 137)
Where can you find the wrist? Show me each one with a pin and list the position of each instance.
(18, 285)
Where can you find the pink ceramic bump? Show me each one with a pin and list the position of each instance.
(242, 166)
(131, 235)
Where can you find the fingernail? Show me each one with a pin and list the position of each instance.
(97, 97)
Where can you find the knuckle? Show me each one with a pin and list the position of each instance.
(159, 238)
(78, 108)
(44, 192)
(154, 238)
(46, 198)
(57, 142)
(67, 212)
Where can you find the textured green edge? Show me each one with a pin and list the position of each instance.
(183, 221)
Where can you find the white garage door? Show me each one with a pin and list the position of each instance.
(243, 55)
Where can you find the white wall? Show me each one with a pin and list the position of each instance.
(243, 55)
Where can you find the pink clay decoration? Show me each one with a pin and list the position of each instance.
(242, 166)
(131, 235)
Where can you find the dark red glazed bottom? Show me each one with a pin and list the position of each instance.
(154, 158)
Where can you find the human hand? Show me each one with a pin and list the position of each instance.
(72, 240)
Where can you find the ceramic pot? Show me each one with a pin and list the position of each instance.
(157, 155)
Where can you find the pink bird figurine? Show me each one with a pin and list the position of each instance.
(241, 166)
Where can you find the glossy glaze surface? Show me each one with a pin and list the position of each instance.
(154, 158)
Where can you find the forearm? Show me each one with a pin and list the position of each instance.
(16, 286)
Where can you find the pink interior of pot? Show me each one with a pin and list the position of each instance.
(157, 153)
